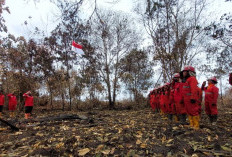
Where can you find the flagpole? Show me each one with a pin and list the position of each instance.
(69, 87)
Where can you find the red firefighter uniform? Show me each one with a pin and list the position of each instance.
(162, 101)
(180, 109)
(172, 109)
(190, 92)
(2, 101)
(28, 100)
(155, 100)
(174, 92)
(12, 102)
(176, 97)
(211, 96)
(190, 96)
(28, 104)
(167, 102)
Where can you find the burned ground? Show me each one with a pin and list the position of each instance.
(116, 133)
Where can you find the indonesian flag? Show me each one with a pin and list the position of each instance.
(77, 48)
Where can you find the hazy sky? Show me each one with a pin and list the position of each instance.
(41, 14)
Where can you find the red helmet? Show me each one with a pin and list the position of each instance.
(167, 84)
(176, 75)
(213, 79)
(189, 68)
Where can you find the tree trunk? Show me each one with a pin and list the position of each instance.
(111, 105)
(70, 96)
(115, 87)
(63, 103)
(51, 97)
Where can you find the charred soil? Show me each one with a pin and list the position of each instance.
(116, 133)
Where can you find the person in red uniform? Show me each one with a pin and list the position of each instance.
(230, 79)
(28, 104)
(171, 100)
(162, 102)
(211, 96)
(181, 107)
(176, 91)
(2, 101)
(190, 96)
(168, 101)
(12, 103)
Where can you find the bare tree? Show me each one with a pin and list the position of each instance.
(69, 29)
(175, 27)
(220, 48)
(3, 28)
(112, 36)
(136, 72)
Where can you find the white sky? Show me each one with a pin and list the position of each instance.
(42, 14)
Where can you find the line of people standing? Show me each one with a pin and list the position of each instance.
(12, 103)
(181, 99)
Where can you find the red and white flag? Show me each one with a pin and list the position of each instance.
(77, 48)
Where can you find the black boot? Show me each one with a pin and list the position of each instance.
(170, 116)
(179, 117)
(211, 118)
(214, 119)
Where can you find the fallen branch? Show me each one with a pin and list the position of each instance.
(10, 125)
(55, 118)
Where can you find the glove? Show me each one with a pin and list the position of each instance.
(213, 104)
(203, 85)
(182, 102)
(193, 101)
